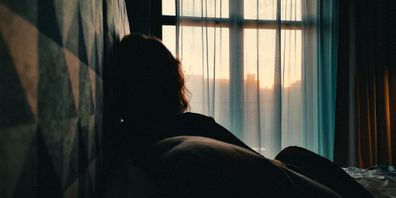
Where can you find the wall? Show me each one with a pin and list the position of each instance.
(53, 60)
(145, 16)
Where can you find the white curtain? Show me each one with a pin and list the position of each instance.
(255, 66)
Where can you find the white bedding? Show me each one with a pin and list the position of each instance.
(378, 180)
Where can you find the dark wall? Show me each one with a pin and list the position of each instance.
(145, 16)
(52, 60)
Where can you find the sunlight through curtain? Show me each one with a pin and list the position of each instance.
(264, 69)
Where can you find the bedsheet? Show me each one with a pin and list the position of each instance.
(378, 180)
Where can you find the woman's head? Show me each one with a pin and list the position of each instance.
(147, 78)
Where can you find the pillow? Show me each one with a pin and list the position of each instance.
(321, 170)
(192, 166)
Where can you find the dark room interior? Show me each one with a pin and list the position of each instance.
(279, 98)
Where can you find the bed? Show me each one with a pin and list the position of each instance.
(378, 180)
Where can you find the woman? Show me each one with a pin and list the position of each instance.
(159, 136)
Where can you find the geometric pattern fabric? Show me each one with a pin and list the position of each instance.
(52, 60)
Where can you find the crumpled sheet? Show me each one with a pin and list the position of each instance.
(378, 180)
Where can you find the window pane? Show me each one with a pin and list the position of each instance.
(292, 92)
(204, 8)
(291, 9)
(204, 53)
(200, 47)
(168, 7)
(266, 8)
(266, 54)
(197, 8)
(291, 56)
(169, 38)
(291, 53)
(259, 98)
(259, 60)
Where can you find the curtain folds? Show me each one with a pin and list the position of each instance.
(264, 69)
(366, 101)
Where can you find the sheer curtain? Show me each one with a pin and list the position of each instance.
(264, 69)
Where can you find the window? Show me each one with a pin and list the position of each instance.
(243, 62)
(210, 20)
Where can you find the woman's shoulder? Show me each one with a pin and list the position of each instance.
(194, 117)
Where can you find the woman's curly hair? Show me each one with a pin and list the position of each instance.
(144, 66)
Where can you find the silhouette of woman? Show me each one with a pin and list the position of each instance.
(151, 97)
(150, 92)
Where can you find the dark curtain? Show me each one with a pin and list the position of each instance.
(365, 131)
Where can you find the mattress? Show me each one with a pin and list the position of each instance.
(378, 180)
